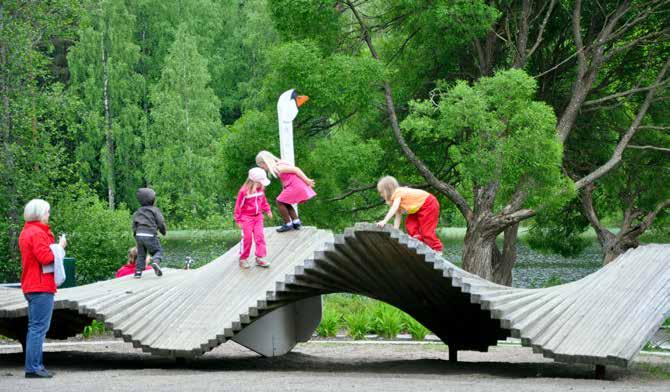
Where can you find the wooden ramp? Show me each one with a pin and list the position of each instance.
(603, 319)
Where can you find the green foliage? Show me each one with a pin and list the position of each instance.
(182, 142)
(559, 231)
(552, 281)
(415, 328)
(330, 323)
(103, 67)
(98, 238)
(388, 320)
(358, 324)
(497, 133)
(300, 19)
(96, 328)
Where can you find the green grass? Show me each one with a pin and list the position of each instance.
(96, 328)
(388, 320)
(415, 328)
(657, 371)
(358, 324)
(361, 316)
(330, 323)
(224, 235)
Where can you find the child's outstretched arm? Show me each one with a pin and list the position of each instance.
(394, 210)
(287, 168)
(265, 206)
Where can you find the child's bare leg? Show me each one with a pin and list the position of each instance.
(292, 212)
(284, 212)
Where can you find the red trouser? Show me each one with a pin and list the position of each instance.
(422, 224)
(252, 231)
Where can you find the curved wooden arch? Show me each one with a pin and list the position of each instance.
(603, 319)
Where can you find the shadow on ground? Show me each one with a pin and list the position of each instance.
(299, 362)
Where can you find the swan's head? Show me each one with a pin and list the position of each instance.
(288, 104)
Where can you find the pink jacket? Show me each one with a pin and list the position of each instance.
(250, 204)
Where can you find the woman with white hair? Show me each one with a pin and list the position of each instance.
(38, 286)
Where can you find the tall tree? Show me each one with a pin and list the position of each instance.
(102, 65)
(182, 141)
(516, 34)
(33, 110)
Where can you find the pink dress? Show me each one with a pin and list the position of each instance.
(295, 190)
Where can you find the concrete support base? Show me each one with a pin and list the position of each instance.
(600, 372)
(453, 354)
(278, 332)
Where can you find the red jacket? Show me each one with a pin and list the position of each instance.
(250, 204)
(34, 244)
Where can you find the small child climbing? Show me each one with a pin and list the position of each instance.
(249, 208)
(422, 208)
(147, 221)
(129, 268)
(297, 188)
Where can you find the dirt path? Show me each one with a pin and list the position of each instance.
(323, 367)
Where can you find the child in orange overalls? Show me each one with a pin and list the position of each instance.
(422, 208)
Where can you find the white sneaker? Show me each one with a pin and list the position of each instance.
(244, 263)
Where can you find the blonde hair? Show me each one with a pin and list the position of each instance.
(36, 210)
(249, 184)
(269, 160)
(132, 255)
(386, 186)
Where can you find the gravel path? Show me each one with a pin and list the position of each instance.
(322, 366)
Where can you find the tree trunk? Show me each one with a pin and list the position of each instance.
(479, 253)
(109, 139)
(618, 246)
(503, 265)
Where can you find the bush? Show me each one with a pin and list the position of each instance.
(554, 280)
(387, 320)
(415, 328)
(358, 324)
(98, 238)
(330, 324)
(10, 270)
(95, 329)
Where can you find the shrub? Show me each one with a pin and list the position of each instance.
(330, 323)
(95, 329)
(416, 329)
(10, 269)
(387, 320)
(98, 237)
(358, 324)
(554, 280)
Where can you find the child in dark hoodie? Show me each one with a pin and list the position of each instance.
(147, 221)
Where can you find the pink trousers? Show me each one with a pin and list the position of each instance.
(252, 231)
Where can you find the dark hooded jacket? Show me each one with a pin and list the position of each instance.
(148, 219)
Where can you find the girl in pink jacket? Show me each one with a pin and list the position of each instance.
(249, 208)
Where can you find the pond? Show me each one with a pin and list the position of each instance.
(532, 269)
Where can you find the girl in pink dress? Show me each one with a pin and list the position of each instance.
(297, 188)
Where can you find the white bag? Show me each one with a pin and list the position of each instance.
(57, 266)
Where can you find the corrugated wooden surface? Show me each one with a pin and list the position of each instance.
(604, 318)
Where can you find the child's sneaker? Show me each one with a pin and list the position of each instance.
(157, 268)
(296, 225)
(138, 274)
(285, 227)
(244, 264)
(262, 263)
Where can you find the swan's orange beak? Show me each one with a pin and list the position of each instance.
(301, 99)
